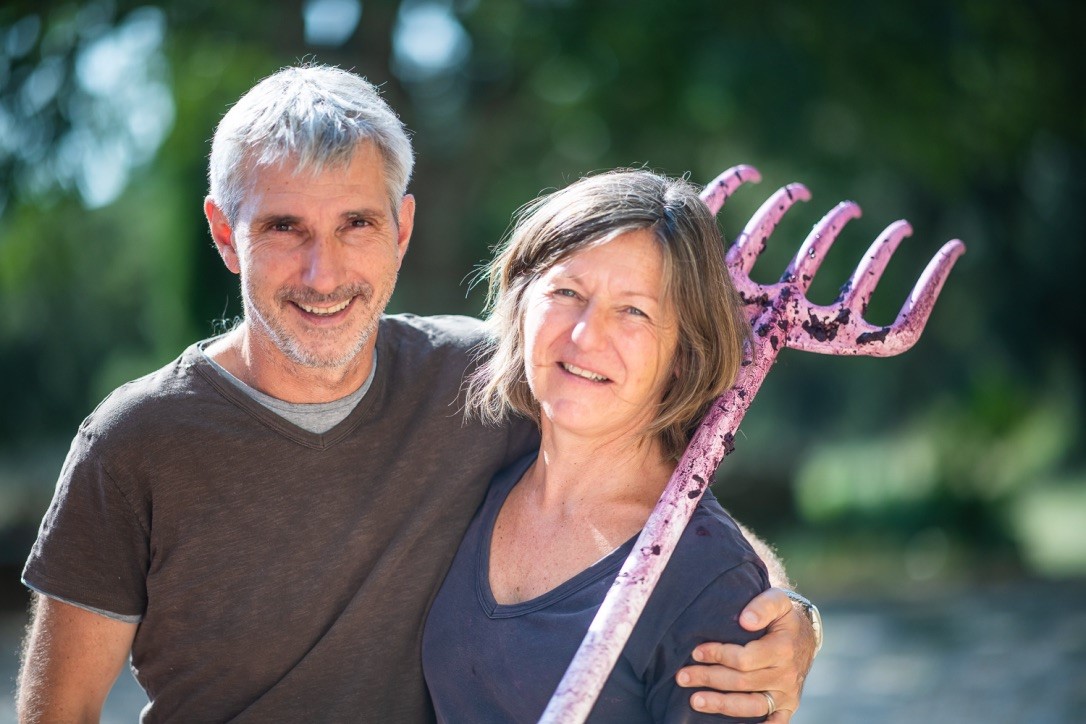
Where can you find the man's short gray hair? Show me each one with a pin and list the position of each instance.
(313, 116)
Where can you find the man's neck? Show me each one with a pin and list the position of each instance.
(274, 374)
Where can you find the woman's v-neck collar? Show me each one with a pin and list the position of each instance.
(605, 566)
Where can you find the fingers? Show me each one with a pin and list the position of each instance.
(778, 662)
(740, 693)
(788, 644)
(748, 705)
(755, 656)
(765, 608)
(727, 680)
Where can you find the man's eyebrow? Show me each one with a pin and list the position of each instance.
(273, 219)
(367, 213)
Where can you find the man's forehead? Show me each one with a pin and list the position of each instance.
(312, 159)
(360, 180)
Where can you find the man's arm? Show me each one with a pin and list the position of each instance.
(778, 577)
(70, 660)
(776, 663)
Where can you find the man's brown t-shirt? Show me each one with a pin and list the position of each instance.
(277, 574)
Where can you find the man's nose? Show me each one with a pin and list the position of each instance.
(323, 263)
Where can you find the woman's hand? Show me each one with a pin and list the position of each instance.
(776, 664)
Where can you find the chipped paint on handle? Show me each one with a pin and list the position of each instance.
(780, 316)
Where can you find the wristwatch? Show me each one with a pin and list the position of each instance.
(812, 614)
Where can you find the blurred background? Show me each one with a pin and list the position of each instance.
(934, 503)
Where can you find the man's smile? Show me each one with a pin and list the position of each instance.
(325, 311)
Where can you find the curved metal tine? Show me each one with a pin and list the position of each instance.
(717, 191)
(750, 243)
(811, 253)
(906, 329)
(856, 292)
(915, 312)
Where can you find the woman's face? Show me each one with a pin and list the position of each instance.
(600, 338)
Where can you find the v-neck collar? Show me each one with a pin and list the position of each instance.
(375, 396)
(608, 565)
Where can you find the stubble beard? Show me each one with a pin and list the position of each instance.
(295, 348)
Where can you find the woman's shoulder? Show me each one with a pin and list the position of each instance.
(712, 560)
(712, 543)
(710, 577)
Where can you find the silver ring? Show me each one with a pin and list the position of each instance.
(770, 702)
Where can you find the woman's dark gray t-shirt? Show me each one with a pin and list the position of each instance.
(487, 662)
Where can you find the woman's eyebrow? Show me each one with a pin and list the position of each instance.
(567, 276)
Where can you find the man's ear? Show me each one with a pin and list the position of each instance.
(406, 219)
(222, 234)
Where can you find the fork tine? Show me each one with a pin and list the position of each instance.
(917, 308)
(750, 243)
(809, 258)
(906, 329)
(856, 292)
(723, 186)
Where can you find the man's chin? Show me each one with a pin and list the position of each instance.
(323, 359)
(317, 356)
(318, 349)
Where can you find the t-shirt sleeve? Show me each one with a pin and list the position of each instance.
(713, 615)
(92, 549)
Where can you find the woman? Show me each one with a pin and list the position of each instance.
(615, 325)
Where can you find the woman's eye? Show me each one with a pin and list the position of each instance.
(565, 293)
(636, 312)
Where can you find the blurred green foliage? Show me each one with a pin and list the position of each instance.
(965, 117)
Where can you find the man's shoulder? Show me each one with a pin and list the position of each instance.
(441, 344)
(437, 331)
(146, 401)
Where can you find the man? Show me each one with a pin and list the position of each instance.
(262, 523)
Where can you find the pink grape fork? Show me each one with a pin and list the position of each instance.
(780, 316)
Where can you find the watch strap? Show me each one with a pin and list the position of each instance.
(813, 615)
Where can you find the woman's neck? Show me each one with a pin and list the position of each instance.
(575, 471)
(579, 501)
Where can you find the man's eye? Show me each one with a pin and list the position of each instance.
(282, 226)
(359, 223)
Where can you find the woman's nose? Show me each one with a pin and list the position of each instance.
(590, 330)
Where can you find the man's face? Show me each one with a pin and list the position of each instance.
(318, 256)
